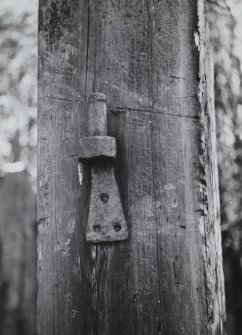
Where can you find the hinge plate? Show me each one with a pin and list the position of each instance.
(106, 221)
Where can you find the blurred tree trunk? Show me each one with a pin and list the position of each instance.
(151, 60)
(17, 255)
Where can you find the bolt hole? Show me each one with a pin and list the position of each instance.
(97, 228)
(117, 227)
(104, 197)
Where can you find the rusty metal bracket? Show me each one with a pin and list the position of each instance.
(106, 221)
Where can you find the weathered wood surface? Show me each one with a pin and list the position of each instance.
(148, 58)
(18, 282)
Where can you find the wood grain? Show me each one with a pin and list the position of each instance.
(149, 58)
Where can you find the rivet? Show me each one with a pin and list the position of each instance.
(117, 226)
(104, 197)
(97, 228)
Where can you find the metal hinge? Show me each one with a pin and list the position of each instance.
(106, 221)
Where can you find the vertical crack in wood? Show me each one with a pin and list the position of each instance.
(211, 234)
(87, 45)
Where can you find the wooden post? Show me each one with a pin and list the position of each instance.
(150, 59)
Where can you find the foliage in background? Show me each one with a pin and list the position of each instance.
(18, 84)
(226, 34)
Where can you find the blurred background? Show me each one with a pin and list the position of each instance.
(18, 141)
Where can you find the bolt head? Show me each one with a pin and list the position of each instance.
(117, 226)
(104, 197)
(97, 228)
